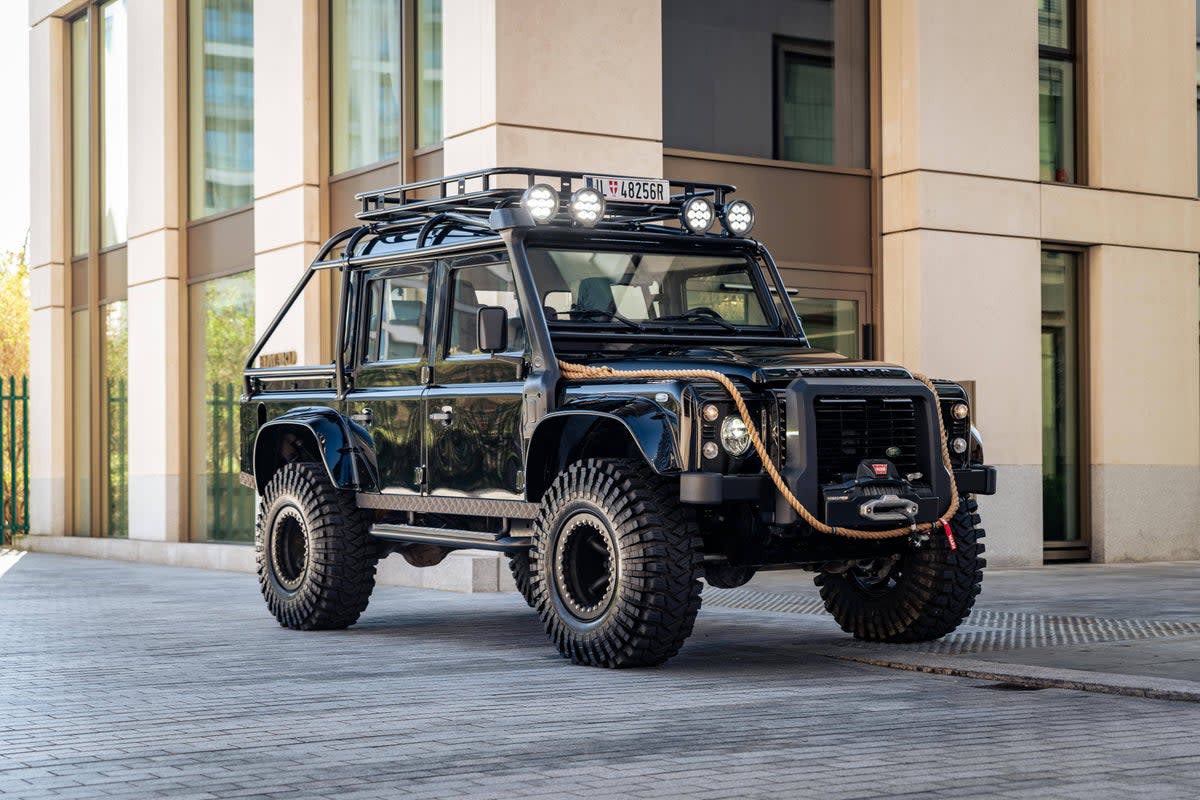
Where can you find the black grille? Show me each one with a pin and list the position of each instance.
(850, 429)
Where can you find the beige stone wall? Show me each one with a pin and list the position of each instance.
(964, 220)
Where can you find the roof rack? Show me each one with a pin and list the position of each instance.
(476, 194)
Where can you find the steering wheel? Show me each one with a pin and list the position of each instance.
(703, 311)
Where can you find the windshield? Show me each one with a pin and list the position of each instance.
(652, 291)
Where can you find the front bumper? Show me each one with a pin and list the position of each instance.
(713, 488)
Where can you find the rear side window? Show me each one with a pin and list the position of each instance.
(396, 311)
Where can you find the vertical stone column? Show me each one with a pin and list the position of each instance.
(156, 293)
(50, 403)
(559, 85)
(960, 218)
(287, 196)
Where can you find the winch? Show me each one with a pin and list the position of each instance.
(878, 494)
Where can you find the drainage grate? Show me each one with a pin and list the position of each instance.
(983, 630)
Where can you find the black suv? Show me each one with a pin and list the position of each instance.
(579, 372)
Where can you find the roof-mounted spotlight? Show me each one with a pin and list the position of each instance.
(697, 215)
(587, 207)
(739, 217)
(541, 201)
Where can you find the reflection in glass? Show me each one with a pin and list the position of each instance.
(806, 107)
(116, 417)
(114, 123)
(222, 332)
(365, 94)
(220, 105)
(81, 424)
(1060, 398)
(1054, 23)
(1056, 98)
(830, 323)
(80, 164)
(429, 72)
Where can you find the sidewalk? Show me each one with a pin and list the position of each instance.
(131, 680)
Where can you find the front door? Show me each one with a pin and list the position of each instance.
(473, 405)
(388, 380)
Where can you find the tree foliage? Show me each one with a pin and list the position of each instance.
(14, 314)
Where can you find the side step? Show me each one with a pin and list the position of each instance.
(449, 537)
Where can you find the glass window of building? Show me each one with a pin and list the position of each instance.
(80, 163)
(220, 105)
(114, 123)
(365, 95)
(116, 417)
(830, 323)
(222, 333)
(1056, 91)
(429, 72)
(1061, 462)
(790, 82)
(81, 424)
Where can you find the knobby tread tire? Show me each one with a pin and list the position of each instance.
(518, 565)
(657, 594)
(340, 570)
(934, 593)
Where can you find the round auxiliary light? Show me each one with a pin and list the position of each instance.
(697, 215)
(587, 207)
(541, 201)
(710, 412)
(958, 445)
(960, 411)
(739, 217)
(735, 436)
(710, 450)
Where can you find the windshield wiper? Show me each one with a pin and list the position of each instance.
(696, 315)
(586, 313)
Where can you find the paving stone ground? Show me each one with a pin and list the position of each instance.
(130, 680)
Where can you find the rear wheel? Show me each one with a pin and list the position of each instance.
(518, 565)
(615, 565)
(922, 596)
(316, 561)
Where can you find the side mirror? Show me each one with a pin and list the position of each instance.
(492, 329)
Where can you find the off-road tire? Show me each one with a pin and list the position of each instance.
(930, 591)
(316, 561)
(518, 565)
(653, 565)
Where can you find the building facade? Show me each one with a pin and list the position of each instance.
(1001, 193)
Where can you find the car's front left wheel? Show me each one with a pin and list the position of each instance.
(316, 559)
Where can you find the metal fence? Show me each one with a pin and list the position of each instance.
(14, 458)
(230, 512)
(117, 425)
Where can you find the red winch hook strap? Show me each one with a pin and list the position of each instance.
(949, 535)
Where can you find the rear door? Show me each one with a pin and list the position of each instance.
(473, 405)
(392, 360)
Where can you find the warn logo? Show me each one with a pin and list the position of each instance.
(879, 469)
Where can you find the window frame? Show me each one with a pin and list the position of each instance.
(811, 51)
(363, 315)
(450, 269)
(1075, 56)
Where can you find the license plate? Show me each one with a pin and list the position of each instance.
(630, 190)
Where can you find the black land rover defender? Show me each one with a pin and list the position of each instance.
(477, 398)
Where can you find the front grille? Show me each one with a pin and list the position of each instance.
(850, 429)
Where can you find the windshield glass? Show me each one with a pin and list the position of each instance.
(651, 291)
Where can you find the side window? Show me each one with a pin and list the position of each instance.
(396, 308)
(472, 288)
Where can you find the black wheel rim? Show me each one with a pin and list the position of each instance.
(289, 548)
(585, 573)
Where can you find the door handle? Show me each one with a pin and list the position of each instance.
(445, 416)
(364, 417)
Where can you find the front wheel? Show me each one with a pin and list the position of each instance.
(615, 565)
(316, 560)
(922, 596)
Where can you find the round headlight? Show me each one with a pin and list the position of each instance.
(739, 217)
(710, 412)
(710, 450)
(958, 445)
(541, 201)
(960, 411)
(587, 207)
(697, 215)
(735, 436)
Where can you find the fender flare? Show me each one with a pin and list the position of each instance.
(343, 446)
(646, 425)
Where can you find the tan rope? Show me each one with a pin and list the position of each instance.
(582, 371)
